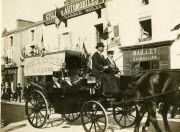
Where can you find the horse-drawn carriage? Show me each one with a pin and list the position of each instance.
(86, 100)
(83, 100)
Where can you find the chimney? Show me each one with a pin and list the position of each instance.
(23, 23)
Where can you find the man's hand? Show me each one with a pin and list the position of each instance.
(106, 67)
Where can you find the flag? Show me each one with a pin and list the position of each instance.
(42, 47)
(105, 34)
(116, 31)
(84, 48)
(23, 54)
(115, 39)
(60, 17)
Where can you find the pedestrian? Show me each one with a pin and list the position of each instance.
(9, 92)
(3, 97)
(19, 91)
(98, 61)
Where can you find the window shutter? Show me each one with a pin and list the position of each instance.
(164, 55)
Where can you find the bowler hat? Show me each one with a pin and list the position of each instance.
(99, 45)
(110, 52)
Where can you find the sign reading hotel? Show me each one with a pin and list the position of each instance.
(37, 66)
(73, 10)
(81, 7)
(145, 54)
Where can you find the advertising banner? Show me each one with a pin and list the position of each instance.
(37, 66)
(73, 10)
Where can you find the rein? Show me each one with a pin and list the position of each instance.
(146, 98)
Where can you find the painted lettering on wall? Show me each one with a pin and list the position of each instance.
(145, 54)
(43, 65)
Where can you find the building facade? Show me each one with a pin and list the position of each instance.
(144, 37)
(17, 44)
(138, 31)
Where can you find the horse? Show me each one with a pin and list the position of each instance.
(153, 83)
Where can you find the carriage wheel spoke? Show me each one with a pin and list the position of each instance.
(31, 113)
(98, 125)
(90, 127)
(94, 126)
(36, 119)
(33, 117)
(132, 115)
(73, 115)
(101, 121)
(41, 114)
(128, 119)
(125, 120)
(121, 118)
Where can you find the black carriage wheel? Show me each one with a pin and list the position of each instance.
(36, 109)
(71, 116)
(125, 116)
(93, 117)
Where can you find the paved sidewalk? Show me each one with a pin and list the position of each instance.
(13, 102)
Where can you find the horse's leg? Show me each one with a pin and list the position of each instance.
(140, 115)
(147, 124)
(153, 119)
(164, 115)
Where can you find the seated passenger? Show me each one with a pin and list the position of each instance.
(98, 61)
(110, 81)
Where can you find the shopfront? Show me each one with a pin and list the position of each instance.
(148, 57)
(9, 76)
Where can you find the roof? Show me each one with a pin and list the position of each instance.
(23, 28)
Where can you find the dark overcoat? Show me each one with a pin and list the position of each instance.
(110, 81)
(98, 62)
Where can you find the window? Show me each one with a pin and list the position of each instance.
(11, 41)
(145, 2)
(32, 35)
(98, 13)
(99, 31)
(146, 30)
(10, 56)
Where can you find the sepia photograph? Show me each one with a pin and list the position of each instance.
(90, 65)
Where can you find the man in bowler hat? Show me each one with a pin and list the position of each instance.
(19, 90)
(98, 61)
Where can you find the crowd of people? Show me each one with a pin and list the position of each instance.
(15, 95)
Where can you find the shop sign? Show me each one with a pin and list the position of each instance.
(81, 7)
(73, 10)
(145, 54)
(49, 18)
(37, 66)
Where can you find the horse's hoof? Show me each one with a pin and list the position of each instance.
(167, 129)
(144, 129)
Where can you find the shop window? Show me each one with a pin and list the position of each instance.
(146, 30)
(11, 41)
(99, 31)
(99, 13)
(145, 2)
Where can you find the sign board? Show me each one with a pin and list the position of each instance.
(73, 10)
(81, 7)
(37, 66)
(49, 18)
(145, 54)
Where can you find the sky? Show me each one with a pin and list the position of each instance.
(31, 10)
